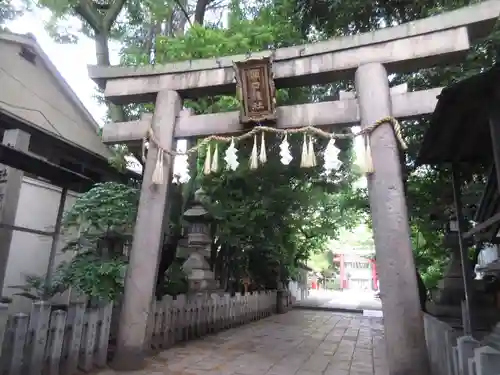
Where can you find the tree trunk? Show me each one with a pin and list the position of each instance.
(101, 24)
(102, 57)
(199, 13)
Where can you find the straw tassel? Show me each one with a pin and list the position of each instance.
(304, 163)
(262, 154)
(367, 166)
(157, 178)
(312, 155)
(215, 159)
(254, 162)
(208, 165)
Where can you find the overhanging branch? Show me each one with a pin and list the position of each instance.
(184, 12)
(87, 10)
(111, 14)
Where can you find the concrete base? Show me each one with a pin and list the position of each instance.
(129, 359)
(282, 303)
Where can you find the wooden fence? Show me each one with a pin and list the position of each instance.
(62, 342)
(189, 317)
(54, 342)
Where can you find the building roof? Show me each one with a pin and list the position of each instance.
(304, 266)
(459, 127)
(35, 165)
(24, 101)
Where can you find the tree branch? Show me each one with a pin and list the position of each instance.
(184, 12)
(111, 14)
(86, 9)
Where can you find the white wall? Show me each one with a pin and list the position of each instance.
(29, 253)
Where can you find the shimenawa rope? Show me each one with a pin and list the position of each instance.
(308, 156)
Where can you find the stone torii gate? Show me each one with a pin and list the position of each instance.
(369, 58)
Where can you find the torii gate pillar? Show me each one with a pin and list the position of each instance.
(148, 235)
(403, 323)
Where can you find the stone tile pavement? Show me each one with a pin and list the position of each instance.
(297, 343)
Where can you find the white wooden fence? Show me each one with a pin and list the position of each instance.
(54, 342)
(189, 317)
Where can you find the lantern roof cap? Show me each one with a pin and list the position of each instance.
(197, 210)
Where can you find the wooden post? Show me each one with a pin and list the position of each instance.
(55, 241)
(11, 181)
(464, 257)
(141, 273)
(404, 330)
(495, 137)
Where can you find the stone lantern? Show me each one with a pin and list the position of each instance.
(200, 276)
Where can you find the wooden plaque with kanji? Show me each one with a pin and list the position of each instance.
(255, 89)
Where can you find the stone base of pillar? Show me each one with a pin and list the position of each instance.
(282, 302)
(129, 359)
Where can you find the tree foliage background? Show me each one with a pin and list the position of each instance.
(265, 221)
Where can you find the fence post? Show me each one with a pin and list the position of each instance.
(246, 309)
(4, 318)
(167, 326)
(57, 325)
(38, 330)
(174, 322)
(465, 348)
(157, 338)
(150, 327)
(188, 319)
(451, 341)
(180, 316)
(86, 362)
(105, 313)
(227, 311)
(205, 302)
(75, 320)
(199, 308)
(193, 307)
(487, 361)
(20, 329)
(213, 321)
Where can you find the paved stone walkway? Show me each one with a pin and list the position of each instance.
(297, 343)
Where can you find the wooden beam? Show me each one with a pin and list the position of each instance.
(482, 226)
(340, 113)
(399, 55)
(17, 228)
(494, 122)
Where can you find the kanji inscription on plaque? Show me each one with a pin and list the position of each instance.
(255, 90)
